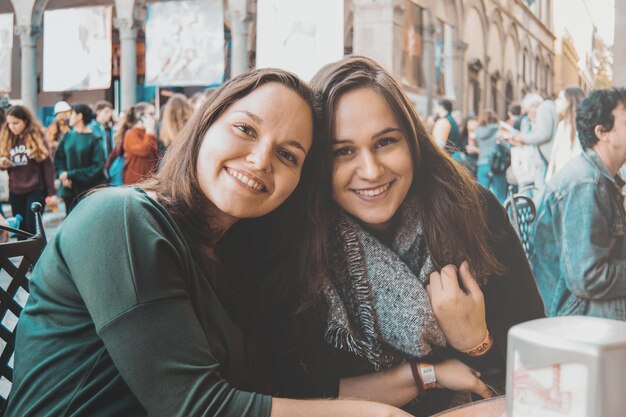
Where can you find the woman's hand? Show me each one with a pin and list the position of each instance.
(149, 124)
(67, 183)
(454, 375)
(5, 163)
(459, 312)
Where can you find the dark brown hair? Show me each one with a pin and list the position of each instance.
(451, 204)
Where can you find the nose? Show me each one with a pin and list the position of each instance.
(370, 167)
(260, 156)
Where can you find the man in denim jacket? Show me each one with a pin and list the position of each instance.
(579, 257)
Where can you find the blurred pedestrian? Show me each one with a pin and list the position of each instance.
(538, 138)
(446, 130)
(486, 137)
(566, 143)
(176, 113)
(514, 112)
(140, 144)
(102, 125)
(114, 166)
(25, 154)
(60, 124)
(79, 159)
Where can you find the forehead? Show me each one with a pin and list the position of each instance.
(363, 111)
(278, 108)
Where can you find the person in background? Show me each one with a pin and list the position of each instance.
(446, 130)
(543, 122)
(25, 154)
(141, 151)
(486, 137)
(114, 166)
(148, 322)
(514, 112)
(468, 137)
(176, 112)
(102, 125)
(566, 143)
(79, 159)
(579, 249)
(60, 125)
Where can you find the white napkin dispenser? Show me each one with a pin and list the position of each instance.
(567, 367)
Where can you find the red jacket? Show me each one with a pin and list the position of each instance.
(142, 155)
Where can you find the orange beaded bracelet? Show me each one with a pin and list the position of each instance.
(481, 348)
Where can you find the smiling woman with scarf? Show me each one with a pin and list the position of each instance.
(423, 264)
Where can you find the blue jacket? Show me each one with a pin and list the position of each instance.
(579, 257)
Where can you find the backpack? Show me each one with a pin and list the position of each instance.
(500, 158)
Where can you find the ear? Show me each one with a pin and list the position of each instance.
(600, 132)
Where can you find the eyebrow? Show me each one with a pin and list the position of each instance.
(297, 145)
(375, 135)
(257, 119)
(250, 115)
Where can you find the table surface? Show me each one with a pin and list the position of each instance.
(493, 407)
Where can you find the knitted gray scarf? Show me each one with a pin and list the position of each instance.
(378, 307)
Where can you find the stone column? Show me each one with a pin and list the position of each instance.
(458, 65)
(128, 61)
(429, 59)
(378, 32)
(239, 19)
(28, 44)
(619, 47)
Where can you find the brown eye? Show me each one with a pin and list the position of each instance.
(245, 129)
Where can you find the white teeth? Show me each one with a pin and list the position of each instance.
(248, 181)
(374, 192)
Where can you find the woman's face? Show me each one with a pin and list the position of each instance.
(16, 125)
(251, 157)
(372, 164)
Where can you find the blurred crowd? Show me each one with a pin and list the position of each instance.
(523, 151)
(85, 146)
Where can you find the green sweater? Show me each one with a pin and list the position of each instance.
(122, 321)
(82, 157)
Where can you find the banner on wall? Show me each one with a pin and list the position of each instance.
(299, 35)
(185, 43)
(6, 50)
(77, 49)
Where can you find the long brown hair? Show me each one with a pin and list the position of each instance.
(451, 204)
(32, 134)
(573, 95)
(176, 113)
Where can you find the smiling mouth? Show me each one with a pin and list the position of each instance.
(372, 192)
(245, 180)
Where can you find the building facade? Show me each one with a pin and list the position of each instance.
(477, 53)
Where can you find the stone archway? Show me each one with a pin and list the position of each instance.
(475, 58)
